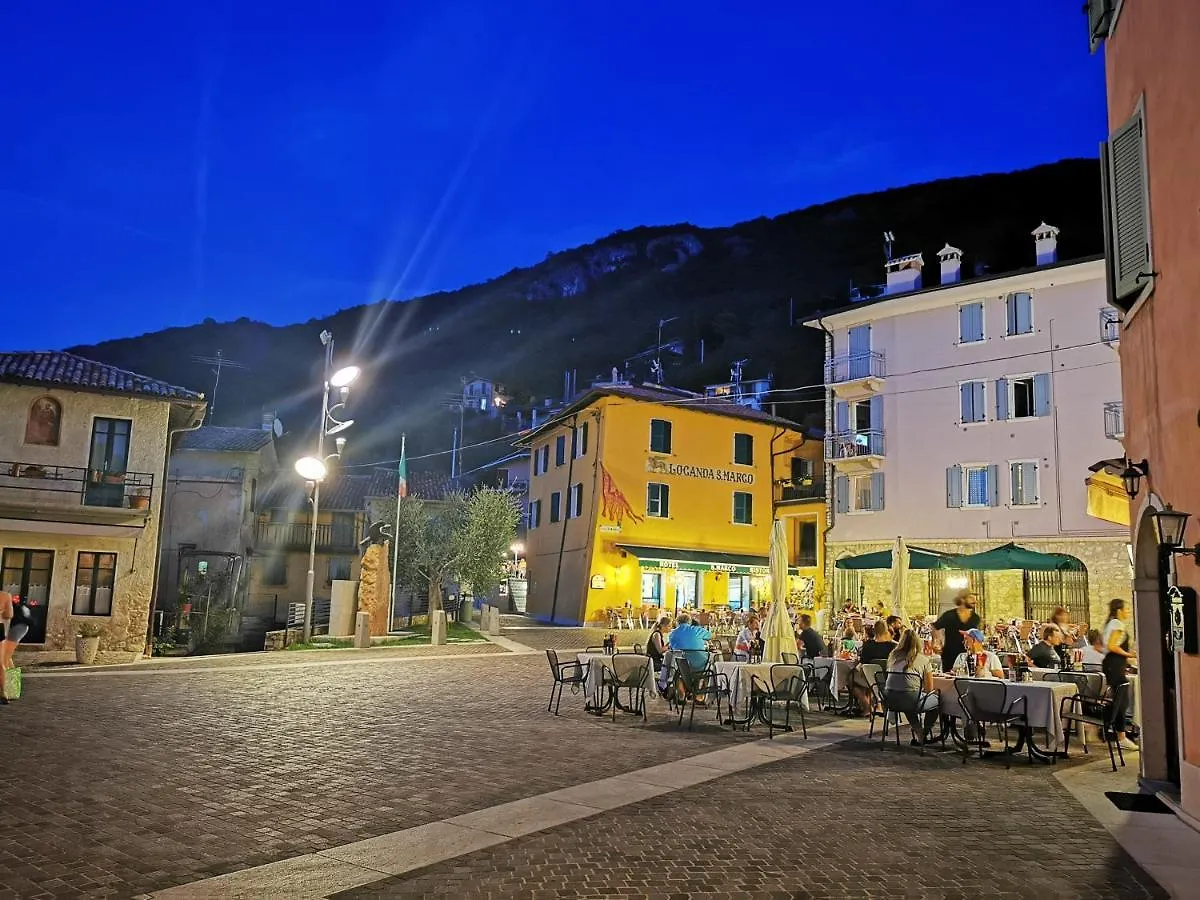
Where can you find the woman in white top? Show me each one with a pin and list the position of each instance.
(1095, 651)
(1116, 661)
(974, 642)
(747, 637)
(908, 659)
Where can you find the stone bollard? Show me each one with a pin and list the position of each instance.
(437, 627)
(362, 630)
(493, 622)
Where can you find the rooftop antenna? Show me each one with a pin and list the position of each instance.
(657, 366)
(218, 362)
(888, 239)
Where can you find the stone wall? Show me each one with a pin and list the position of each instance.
(1106, 560)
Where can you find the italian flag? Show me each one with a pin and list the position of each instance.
(402, 471)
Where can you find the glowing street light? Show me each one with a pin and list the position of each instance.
(311, 469)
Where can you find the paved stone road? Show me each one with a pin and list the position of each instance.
(131, 782)
(846, 822)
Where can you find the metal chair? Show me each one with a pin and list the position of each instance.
(1099, 712)
(692, 685)
(565, 673)
(633, 675)
(902, 694)
(819, 684)
(790, 659)
(789, 687)
(985, 702)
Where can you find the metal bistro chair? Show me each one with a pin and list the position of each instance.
(632, 674)
(573, 674)
(790, 659)
(789, 687)
(820, 684)
(907, 700)
(692, 685)
(985, 702)
(1097, 711)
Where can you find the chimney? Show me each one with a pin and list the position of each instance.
(951, 258)
(1045, 244)
(904, 274)
(268, 421)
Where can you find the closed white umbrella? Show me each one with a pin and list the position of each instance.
(778, 633)
(899, 575)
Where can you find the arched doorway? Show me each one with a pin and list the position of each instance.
(1156, 665)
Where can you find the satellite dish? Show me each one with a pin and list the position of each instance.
(277, 428)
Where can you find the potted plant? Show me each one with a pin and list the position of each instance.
(140, 499)
(87, 643)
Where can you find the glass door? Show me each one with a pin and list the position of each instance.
(685, 590)
(26, 574)
(108, 462)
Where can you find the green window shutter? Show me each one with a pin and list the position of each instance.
(1129, 210)
(583, 439)
(877, 491)
(1041, 395)
(664, 501)
(1001, 399)
(841, 494)
(954, 483)
(555, 506)
(994, 485)
(560, 450)
(1099, 13)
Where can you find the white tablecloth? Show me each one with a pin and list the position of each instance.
(739, 674)
(620, 663)
(841, 671)
(1044, 699)
(1134, 707)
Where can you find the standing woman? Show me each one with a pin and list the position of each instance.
(14, 616)
(1116, 661)
(952, 624)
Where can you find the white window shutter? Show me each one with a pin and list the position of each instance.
(1041, 395)
(954, 484)
(1129, 207)
(1001, 399)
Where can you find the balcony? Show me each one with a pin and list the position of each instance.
(72, 494)
(331, 537)
(1114, 420)
(855, 375)
(1110, 326)
(855, 451)
(808, 490)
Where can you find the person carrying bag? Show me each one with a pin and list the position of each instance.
(15, 618)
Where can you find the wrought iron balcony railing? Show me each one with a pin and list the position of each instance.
(852, 444)
(296, 536)
(854, 367)
(41, 485)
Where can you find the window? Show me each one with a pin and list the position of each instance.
(42, 426)
(652, 588)
(560, 450)
(660, 436)
(806, 547)
(802, 470)
(26, 573)
(541, 460)
(1023, 397)
(579, 442)
(535, 514)
(575, 501)
(556, 506)
(743, 449)
(741, 596)
(275, 570)
(95, 574)
(970, 323)
(1127, 211)
(339, 568)
(658, 501)
(973, 401)
(743, 508)
(1024, 483)
(972, 486)
(858, 493)
(1020, 313)
(1101, 15)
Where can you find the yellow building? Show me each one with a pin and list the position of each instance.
(654, 497)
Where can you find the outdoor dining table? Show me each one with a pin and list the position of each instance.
(594, 665)
(1097, 679)
(1043, 703)
(739, 674)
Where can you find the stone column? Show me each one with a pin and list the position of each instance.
(374, 587)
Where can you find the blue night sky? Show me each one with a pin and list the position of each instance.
(167, 162)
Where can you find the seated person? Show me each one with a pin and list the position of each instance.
(747, 638)
(895, 625)
(1044, 654)
(1095, 651)
(879, 647)
(809, 639)
(908, 658)
(991, 668)
(691, 640)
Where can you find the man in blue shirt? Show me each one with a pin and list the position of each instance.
(690, 640)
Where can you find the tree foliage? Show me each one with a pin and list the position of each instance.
(464, 538)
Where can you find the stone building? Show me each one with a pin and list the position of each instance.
(83, 451)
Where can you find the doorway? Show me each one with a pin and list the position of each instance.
(108, 462)
(686, 590)
(26, 573)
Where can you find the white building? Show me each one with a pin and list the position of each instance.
(965, 416)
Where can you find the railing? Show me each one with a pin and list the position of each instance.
(1110, 326)
(36, 483)
(806, 560)
(850, 444)
(808, 489)
(296, 535)
(854, 366)
(1114, 420)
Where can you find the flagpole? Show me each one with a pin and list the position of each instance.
(401, 490)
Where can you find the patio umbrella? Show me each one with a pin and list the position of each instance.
(918, 558)
(1012, 556)
(900, 562)
(778, 633)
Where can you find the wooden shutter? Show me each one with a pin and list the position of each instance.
(877, 491)
(994, 485)
(876, 416)
(1001, 399)
(664, 501)
(1041, 394)
(841, 494)
(1129, 208)
(954, 484)
(1099, 13)
(841, 417)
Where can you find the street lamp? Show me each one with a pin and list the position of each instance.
(314, 469)
(1171, 524)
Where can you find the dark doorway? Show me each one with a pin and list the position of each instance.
(26, 574)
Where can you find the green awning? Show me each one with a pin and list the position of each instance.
(700, 560)
(882, 559)
(1011, 556)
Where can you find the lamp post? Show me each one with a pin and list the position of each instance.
(313, 468)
